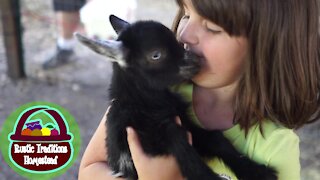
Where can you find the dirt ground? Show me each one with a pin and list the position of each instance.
(81, 87)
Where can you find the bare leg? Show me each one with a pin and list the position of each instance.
(68, 23)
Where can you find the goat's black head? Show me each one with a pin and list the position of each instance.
(147, 51)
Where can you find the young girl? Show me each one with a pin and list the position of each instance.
(260, 79)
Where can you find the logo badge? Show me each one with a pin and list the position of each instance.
(41, 141)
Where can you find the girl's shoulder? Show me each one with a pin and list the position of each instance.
(266, 130)
(261, 138)
(274, 145)
(277, 147)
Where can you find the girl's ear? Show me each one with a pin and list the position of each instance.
(118, 24)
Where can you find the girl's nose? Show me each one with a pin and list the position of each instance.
(187, 32)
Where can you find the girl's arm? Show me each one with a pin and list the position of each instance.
(94, 166)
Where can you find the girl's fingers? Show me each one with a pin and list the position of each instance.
(178, 121)
(156, 168)
(135, 147)
(189, 137)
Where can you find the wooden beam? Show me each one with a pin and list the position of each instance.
(12, 33)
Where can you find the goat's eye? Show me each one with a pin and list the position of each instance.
(156, 55)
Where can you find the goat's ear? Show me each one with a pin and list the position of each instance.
(110, 48)
(118, 24)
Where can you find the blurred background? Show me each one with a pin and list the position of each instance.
(81, 86)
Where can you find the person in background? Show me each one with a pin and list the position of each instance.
(69, 17)
(68, 20)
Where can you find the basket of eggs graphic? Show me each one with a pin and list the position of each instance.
(34, 140)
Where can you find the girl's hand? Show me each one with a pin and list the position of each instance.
(178, 121)
(155, 168)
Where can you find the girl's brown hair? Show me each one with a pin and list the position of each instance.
(282, 76)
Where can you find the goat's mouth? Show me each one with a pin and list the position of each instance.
(187, 72)
(191, 66)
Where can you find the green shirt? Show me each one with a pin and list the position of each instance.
(278, 148)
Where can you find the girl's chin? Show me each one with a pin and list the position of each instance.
(198, 78)
(203, 78)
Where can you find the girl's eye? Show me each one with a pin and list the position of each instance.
(213, 31)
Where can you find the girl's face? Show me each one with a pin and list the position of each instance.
(223, 56)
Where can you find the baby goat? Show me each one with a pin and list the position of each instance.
(148, 60)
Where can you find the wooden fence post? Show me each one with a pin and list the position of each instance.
(12, 33)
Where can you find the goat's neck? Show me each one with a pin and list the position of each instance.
(130, 89)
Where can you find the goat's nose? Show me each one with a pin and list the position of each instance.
(190, 66)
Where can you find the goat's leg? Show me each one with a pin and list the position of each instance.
(119, 156)
(191, 165)
(214, 144)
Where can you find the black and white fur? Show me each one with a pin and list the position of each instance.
(148, 60)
